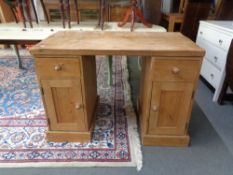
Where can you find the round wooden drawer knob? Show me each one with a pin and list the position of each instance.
(155, 108)
(58, 68)
(175, 70)
(78, 106)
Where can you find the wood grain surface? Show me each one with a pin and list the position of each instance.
(117, 43)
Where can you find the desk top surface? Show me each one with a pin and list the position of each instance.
(116, 43)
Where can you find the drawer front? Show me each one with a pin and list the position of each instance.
(218, 38)
(210, 73)
(57, 67)
(174, 70)
(213, 54)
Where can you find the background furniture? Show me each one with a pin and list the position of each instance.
(65, 12)
(5, 13)
(228, 82)
(175, 17)
(169, 78)
(195, 11)
(215, 37)
(117, 10)
(152, 11)
(24, 7)
(133, 13)
(225, 10)
(88, 10)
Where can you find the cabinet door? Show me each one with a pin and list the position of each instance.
(64, 104)
(169, 109)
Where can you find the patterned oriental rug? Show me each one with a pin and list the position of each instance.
(23, 124)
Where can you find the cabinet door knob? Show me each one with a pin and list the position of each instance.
(215, 58)
(201, 32)
(58, 67)
(175, 70)
(155, 108)
(220, 41)
(212, 76)
(78, 106)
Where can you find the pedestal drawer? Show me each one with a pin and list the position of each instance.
(174, 70)
(218, 38)
(58, 67)
(210, 73)
(213, 54)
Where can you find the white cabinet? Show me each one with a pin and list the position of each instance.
(215, 37)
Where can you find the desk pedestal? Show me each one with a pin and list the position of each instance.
(69, 93)
(166, 97)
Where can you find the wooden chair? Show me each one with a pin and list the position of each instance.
(224, 10)
(67, 4)
(229, 77)
(21, 5)
(195, 11)
(175, 17)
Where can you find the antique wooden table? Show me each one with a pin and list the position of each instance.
(65, 64)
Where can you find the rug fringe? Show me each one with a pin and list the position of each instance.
(135, 145)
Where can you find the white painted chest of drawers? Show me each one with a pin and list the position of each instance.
(215, 37)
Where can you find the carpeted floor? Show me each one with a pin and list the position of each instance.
(208, 153)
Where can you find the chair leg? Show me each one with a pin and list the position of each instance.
(76, 10)
(22, 13)
(132, 20)
(14, 14)
(45, 11)
(110, 70)
(35, 13)
(27, 7)
(68, 12)
(102, 14)
(223, 92)
(100, 5)
(16, 50)
(62, 13)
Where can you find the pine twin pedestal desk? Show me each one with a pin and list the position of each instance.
(65, 66)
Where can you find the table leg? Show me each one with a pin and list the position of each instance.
(16, 50)
(110, 70)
